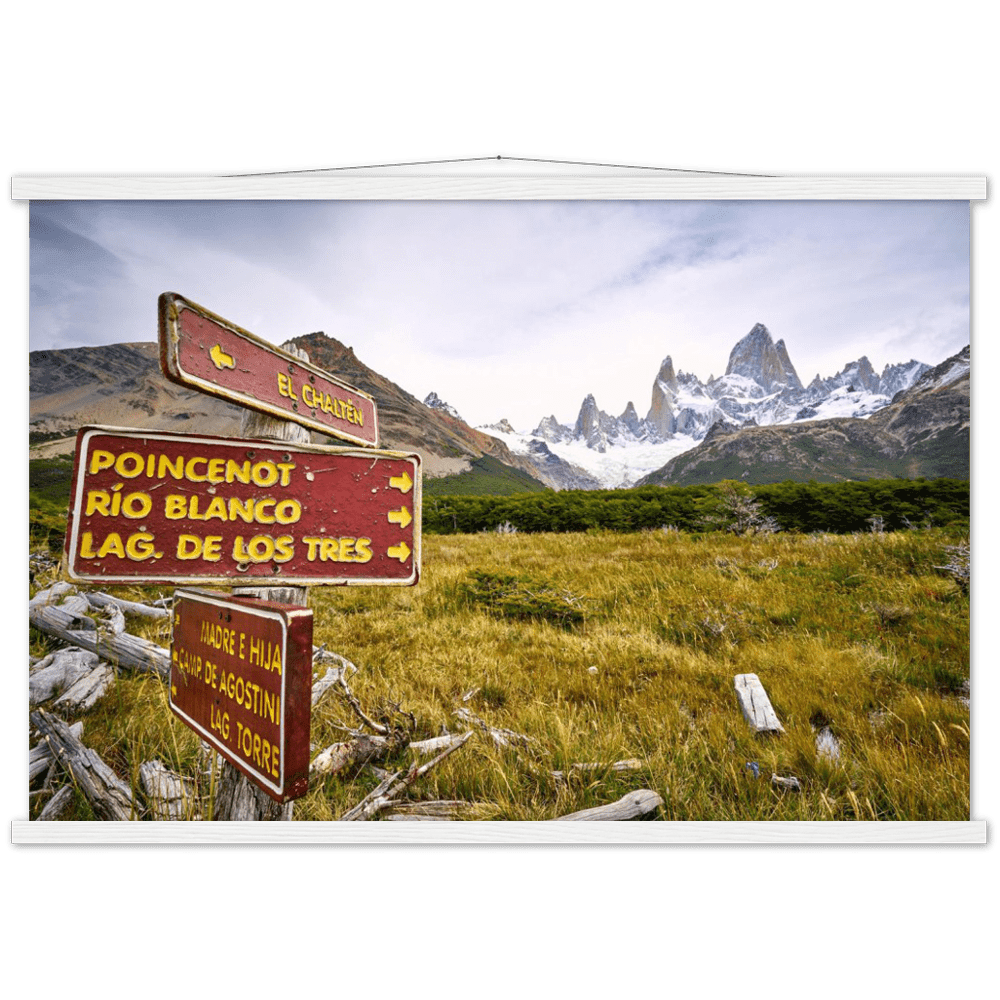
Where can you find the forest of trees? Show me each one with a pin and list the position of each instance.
(882, 504)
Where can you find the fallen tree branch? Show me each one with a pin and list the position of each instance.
(634, 805)
(87, 691)
(394, 786)
(101, 600)
(437, 809)
(40, 757)
(128, 651)
(500, 737)
(108, 795)
(58, 672)
(58, 804)
(618, 767)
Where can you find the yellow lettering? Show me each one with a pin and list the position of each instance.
(264, 474)
(129, 465)
(87, 546)
(237, 473)
(175, 506)
(140, 546)
(137, 505)
(215, 470)
(362, 550)
(241, 508)
(286, 472)
(288, 511)
(261, 517)
(313, 550)
(112, 545)
(217, 508)
(188, 547)
(346, 550)
(200, 477)
(176, 469)
(97, 503)
(284, 548)
(100, 460)
(213, 548)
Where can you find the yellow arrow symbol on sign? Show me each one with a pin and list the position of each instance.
(402, 483)
(402, 517)
(220, 359)
(400, 552)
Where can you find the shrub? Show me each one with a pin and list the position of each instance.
(522, 597)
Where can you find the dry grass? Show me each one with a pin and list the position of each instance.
(859, 634)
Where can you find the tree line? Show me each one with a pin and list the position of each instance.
(879, 504)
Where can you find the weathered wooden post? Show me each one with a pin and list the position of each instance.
(236, 796)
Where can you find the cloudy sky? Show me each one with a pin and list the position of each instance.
(519, 309)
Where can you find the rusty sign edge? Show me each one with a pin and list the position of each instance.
(171, 367)
(368, 454)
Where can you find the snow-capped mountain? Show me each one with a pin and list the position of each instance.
(436, 403)
(760, 387)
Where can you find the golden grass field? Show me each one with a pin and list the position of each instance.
(605, 646)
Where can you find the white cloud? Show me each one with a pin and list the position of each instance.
(519, 309)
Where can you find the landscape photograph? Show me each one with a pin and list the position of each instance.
(682, 533)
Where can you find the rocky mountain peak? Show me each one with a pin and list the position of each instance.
(758, 358)
(436, 403)
(666, 373)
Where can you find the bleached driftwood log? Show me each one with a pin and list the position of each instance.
(501, 737)
(755, 704)
(128, 651)
(100, 600)
(618, 767)
(789, 784)
(87, 691)
(108, 795)
(365, 749)
(50, 594)
(40, 755)
(634, 805)
(333, 676)
(58, 672)
(395, 784)
(169, 795)
(437, 810)
(58, 804)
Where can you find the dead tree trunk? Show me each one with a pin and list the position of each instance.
(236, 797)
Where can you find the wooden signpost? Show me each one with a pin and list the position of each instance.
(270, 514)
(206, 352)
(241, 677)
(150, 506)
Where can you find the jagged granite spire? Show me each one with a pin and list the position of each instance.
(759, 359)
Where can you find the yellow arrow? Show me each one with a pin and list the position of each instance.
(402, 483)
(402, 517)
(220, 359)
(400, 552)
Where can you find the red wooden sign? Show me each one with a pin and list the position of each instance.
(151, 506)
(206, 352)
(241, 677)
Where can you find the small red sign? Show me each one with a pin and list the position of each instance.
(241, 677)
(206, 352)
(151, 506)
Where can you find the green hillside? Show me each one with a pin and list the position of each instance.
(487, 477)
